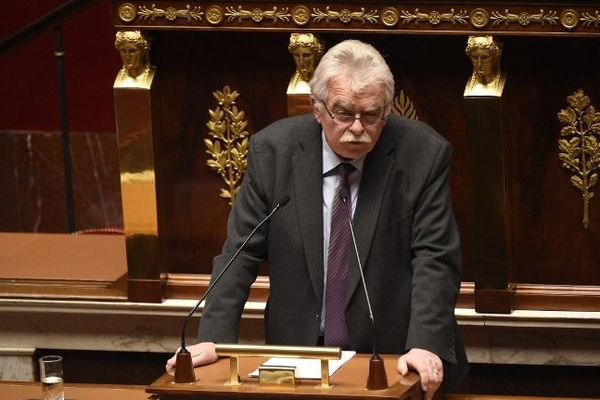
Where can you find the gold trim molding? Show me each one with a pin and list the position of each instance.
(588, 19)
(344, 15)
(257, 15)
(579, 148)
(435, 17)
(479, 18)
(524, 18)
(228, 128)
(170, 13)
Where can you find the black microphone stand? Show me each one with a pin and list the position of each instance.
(377, 378)
(184, 368)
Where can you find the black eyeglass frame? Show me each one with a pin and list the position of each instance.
(376, 119)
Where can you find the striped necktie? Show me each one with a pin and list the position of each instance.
(336, 331)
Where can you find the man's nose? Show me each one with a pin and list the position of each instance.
(357, 127)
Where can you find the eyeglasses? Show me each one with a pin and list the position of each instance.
(348, 119)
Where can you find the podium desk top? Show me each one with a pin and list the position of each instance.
(348, 383)
(33, 391)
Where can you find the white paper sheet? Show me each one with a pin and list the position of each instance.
(307, 368)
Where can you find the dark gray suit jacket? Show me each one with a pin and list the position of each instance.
(406, 234)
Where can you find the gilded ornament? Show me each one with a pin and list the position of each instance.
(434, 17)
(307, 50)
(127, 12)
(390, 16)
(479, 18)
(345, 15)
(486, 79)
(134, 48)
(404, 107)
(301, 15)
(214, 15)
(579, 150)
(591, 19)
(171, 14)
(569, 18)
(257, 14)
(228, 128)
(523, 18)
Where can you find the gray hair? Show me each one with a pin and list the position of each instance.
(358, 62)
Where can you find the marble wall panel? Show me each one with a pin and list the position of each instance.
(33, 196)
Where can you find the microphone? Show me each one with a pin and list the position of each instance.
(184, 370)
(377, 378)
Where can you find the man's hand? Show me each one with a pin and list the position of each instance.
(202, 354)
(428, 365)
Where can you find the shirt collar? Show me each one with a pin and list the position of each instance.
(332, 160)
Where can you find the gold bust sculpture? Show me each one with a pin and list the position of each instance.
(487, 79)
(134, 48)
(307, 50)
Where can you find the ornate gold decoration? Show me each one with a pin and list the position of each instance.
(301, 15)
(589, 19)
(127, 12)
(257, 15)
(390, 16)
(134, 48)
(228, 127)
(170, 13)
(404, 107)
(569, 18)
(434, 17)
(214, 15)
(479, 18)
(581, 153)
(524, 18)
(345, 15)
(486, 79)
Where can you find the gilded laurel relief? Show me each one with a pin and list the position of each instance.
(404, 107)
(579, 148)
(228, 148)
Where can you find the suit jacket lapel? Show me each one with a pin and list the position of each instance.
(375, 178)
(308, 188)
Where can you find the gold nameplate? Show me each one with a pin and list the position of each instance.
(277, 375)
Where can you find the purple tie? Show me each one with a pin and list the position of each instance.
(336, 331)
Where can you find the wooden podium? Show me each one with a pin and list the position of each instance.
(347, 383)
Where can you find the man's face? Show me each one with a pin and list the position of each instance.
(355, 139)
(305, 62)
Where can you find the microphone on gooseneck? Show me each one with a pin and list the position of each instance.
(377, 378)
(184, 370)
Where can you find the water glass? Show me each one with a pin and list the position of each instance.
(51, 376)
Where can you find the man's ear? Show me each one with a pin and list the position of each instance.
(316, 112)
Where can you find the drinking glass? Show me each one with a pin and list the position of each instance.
(51, 376)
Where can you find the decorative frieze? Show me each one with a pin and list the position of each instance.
(370, 16)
